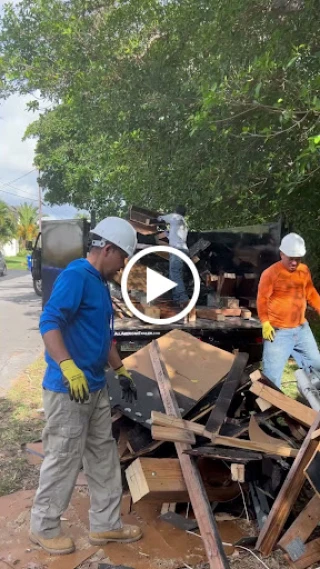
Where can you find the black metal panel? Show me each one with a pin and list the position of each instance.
(148, 400)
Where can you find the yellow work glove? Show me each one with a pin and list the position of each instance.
(76, 381)
(129, 390)
(268, 331)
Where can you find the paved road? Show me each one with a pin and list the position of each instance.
(20, 341)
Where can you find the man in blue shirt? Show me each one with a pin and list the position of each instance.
(77, 330)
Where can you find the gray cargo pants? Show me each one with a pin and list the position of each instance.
(77, 434)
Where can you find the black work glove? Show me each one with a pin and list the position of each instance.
(129, 390)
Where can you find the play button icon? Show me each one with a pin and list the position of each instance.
(157, 285)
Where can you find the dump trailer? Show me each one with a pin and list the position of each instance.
(229, 264)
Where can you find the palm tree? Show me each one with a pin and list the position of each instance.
(27, 223)
(8, 223)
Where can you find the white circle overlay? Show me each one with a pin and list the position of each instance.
(171, 251)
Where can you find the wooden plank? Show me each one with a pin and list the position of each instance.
(210, 314)
(229, 387)
(172, 434)
(167, 423)
(288, 494)
(316, 434)
(298, 411)
(213, 313)
(199, 500)
(227, 454)
(310, 556)
(303, 526)
(284, 450)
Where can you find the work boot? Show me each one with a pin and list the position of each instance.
(126, 534)
(55, 545)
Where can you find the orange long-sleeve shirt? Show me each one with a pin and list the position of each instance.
(283, 296)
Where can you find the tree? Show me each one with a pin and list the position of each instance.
(8, 223)
(27, 223)
(212, 103)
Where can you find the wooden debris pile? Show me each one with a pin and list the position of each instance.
(197, 435)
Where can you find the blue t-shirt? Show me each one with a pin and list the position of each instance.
(80, 307)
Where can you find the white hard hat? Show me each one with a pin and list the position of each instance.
(117, 231)
(293, 245)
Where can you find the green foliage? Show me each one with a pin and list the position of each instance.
(8, 223)
(215, 104)
(27, 223)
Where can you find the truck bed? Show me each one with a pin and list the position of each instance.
(131, 334)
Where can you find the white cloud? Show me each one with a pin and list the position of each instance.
(14, 119)
(16, 157)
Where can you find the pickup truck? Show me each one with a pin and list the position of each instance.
(238, 255)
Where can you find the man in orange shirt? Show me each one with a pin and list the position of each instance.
(284, 291)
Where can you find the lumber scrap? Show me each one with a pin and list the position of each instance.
(298, 411)
(226, 454)
(229, 387)
(199, 500)
(288, 494)
(275, 430)
(151, 311)
(144, 215)
(263, 404)
(258, 435)
(167, 427)
(301, 529)
(122, 307)
(237, 472)
(172, 434)
(214, 313)
(245, 313)
(158, 480)
(210, 314)
(316, 434)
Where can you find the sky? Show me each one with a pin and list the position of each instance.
(16, 157)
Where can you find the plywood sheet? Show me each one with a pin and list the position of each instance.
(257, 435)
(194, 367)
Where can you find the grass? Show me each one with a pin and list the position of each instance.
(20, 424)
(288, 382)
(16, 263)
